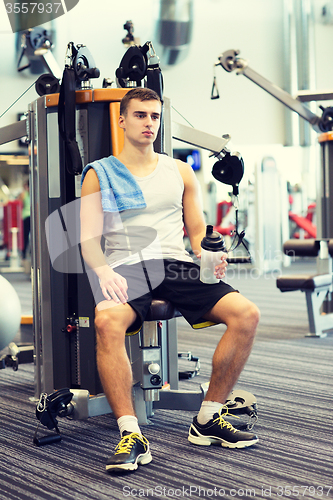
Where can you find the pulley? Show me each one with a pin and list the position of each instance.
(326, 121)
(229, 170)
(47, 84)
(84, 64)
(133, 66)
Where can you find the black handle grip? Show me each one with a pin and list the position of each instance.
(239, 260)
(52, 438)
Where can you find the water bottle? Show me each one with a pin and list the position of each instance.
(213, 247)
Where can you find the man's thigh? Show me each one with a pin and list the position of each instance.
(229, 308)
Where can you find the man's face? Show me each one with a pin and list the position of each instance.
(142, 121)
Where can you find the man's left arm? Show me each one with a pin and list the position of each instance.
(193, 216)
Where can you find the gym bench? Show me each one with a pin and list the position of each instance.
(317, 288)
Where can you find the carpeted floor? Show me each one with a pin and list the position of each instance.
(291, 377)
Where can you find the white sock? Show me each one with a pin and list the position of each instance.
(207, 410)
(128, 423)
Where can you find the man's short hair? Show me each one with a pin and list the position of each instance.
(140, 93)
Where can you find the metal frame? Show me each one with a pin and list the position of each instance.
(318, 323)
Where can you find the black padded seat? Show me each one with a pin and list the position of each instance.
(301, 248)
(303, 282)
(161, 310)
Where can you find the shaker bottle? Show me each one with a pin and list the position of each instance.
(213, 247)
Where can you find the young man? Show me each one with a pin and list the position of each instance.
(129, 276)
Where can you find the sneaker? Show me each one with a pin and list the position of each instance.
(132, 450)
(219, 431)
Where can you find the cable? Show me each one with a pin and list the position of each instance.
(181, 116)
(18, 98)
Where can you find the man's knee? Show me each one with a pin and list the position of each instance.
(110, 323)
(248, 317)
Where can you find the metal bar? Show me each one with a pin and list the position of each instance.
(43, 260)
(305, 58)
(282, 96)
(318, 322)
(289, 73)
(172, 350)
(199, 139)
(314, 95)
(51, 64)
(34, 261)
(13, 131)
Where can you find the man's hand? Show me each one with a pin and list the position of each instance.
(220, 269)
(113, 285)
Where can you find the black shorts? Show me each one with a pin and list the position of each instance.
(172, 280)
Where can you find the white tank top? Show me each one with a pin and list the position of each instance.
(155, 231)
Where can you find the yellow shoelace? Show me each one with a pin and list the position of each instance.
(224, 423)
(127, 442)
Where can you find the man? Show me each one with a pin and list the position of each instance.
(170, 194)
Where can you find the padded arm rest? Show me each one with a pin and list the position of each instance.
(301, 248)
(303, 282)
(305, 248)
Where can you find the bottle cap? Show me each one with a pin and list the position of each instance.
(213, 241)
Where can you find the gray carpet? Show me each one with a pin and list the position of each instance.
(290, 375)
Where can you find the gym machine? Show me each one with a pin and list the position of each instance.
(66, 131)
(319, 288)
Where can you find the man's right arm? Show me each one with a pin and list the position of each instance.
(112, 284)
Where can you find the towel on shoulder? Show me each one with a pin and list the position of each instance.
(119, 189)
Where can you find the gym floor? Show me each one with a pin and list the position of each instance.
(290, 375)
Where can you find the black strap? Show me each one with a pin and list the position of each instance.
(66, 122)
(155, 82)
(155, 79)
(238, 237)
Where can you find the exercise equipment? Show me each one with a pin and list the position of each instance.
(21, 351)
(133, 66)
(63, 305)
(36, 45)
(137, 64)
(173, 32)
(229, 170)
(62, 404)
(47, 84)
(270, 217)
(317, 288)
(304, 224)
(129, 38)
(230, 61)
(10, 312)
(57, 404)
